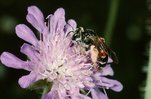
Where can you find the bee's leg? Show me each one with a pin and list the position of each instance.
(94, 57)
(102, 39)
(94, 54)
(96, 68)
(81, 29)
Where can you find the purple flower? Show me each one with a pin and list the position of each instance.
(52, 58)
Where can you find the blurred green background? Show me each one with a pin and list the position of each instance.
(125, 24)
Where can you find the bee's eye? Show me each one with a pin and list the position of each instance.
(75, 36)
(87, 41)
(87, 34)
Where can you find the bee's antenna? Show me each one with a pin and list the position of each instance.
(89, 30)
(70, 31)
(71, 26)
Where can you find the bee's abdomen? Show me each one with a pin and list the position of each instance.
(103, 57)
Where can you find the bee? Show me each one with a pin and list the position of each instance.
(87, 38)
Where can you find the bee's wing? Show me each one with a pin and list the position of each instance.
(109, 51)
(113, 55)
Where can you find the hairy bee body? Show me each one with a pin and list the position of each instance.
(87, 38)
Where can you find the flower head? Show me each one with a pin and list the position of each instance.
(54, 58)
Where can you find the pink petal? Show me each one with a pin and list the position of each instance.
(27, 80)
(36, 18)
(51, 95)
(29, 51)
(26, 34)
(74, 92)
(97, 94)
(109, 60)
(81, 96)
(12, 61)
(72, 23)
(107, 70)
(112, 84)
(70, 26)
(57, 21)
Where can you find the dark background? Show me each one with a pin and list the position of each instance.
(129, 39)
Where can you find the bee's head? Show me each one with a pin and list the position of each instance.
(76, 36)
(84, 36)
(88, 37)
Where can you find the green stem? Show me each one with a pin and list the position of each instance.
(44, 91)
(111, 20)
(148, 82)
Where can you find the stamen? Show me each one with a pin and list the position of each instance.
(88, 93)
(104, 91)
